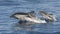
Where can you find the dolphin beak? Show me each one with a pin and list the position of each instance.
(12, 16)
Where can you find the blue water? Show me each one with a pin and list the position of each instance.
(10, 25)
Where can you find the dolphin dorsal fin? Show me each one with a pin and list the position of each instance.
(31, 14)
(43, 12)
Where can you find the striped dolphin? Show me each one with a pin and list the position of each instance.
(47, 16)
(29, 16)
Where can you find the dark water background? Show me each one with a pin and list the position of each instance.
(8, 7)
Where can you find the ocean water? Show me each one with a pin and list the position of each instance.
(10, 25)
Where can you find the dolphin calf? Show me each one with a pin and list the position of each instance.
(29, 16)
(47, 16)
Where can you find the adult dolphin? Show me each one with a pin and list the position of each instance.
(29, 16)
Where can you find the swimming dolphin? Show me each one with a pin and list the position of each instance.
(47, 16)
(20, 15)
(29, 16)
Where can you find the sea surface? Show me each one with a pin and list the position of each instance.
(10, 25)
